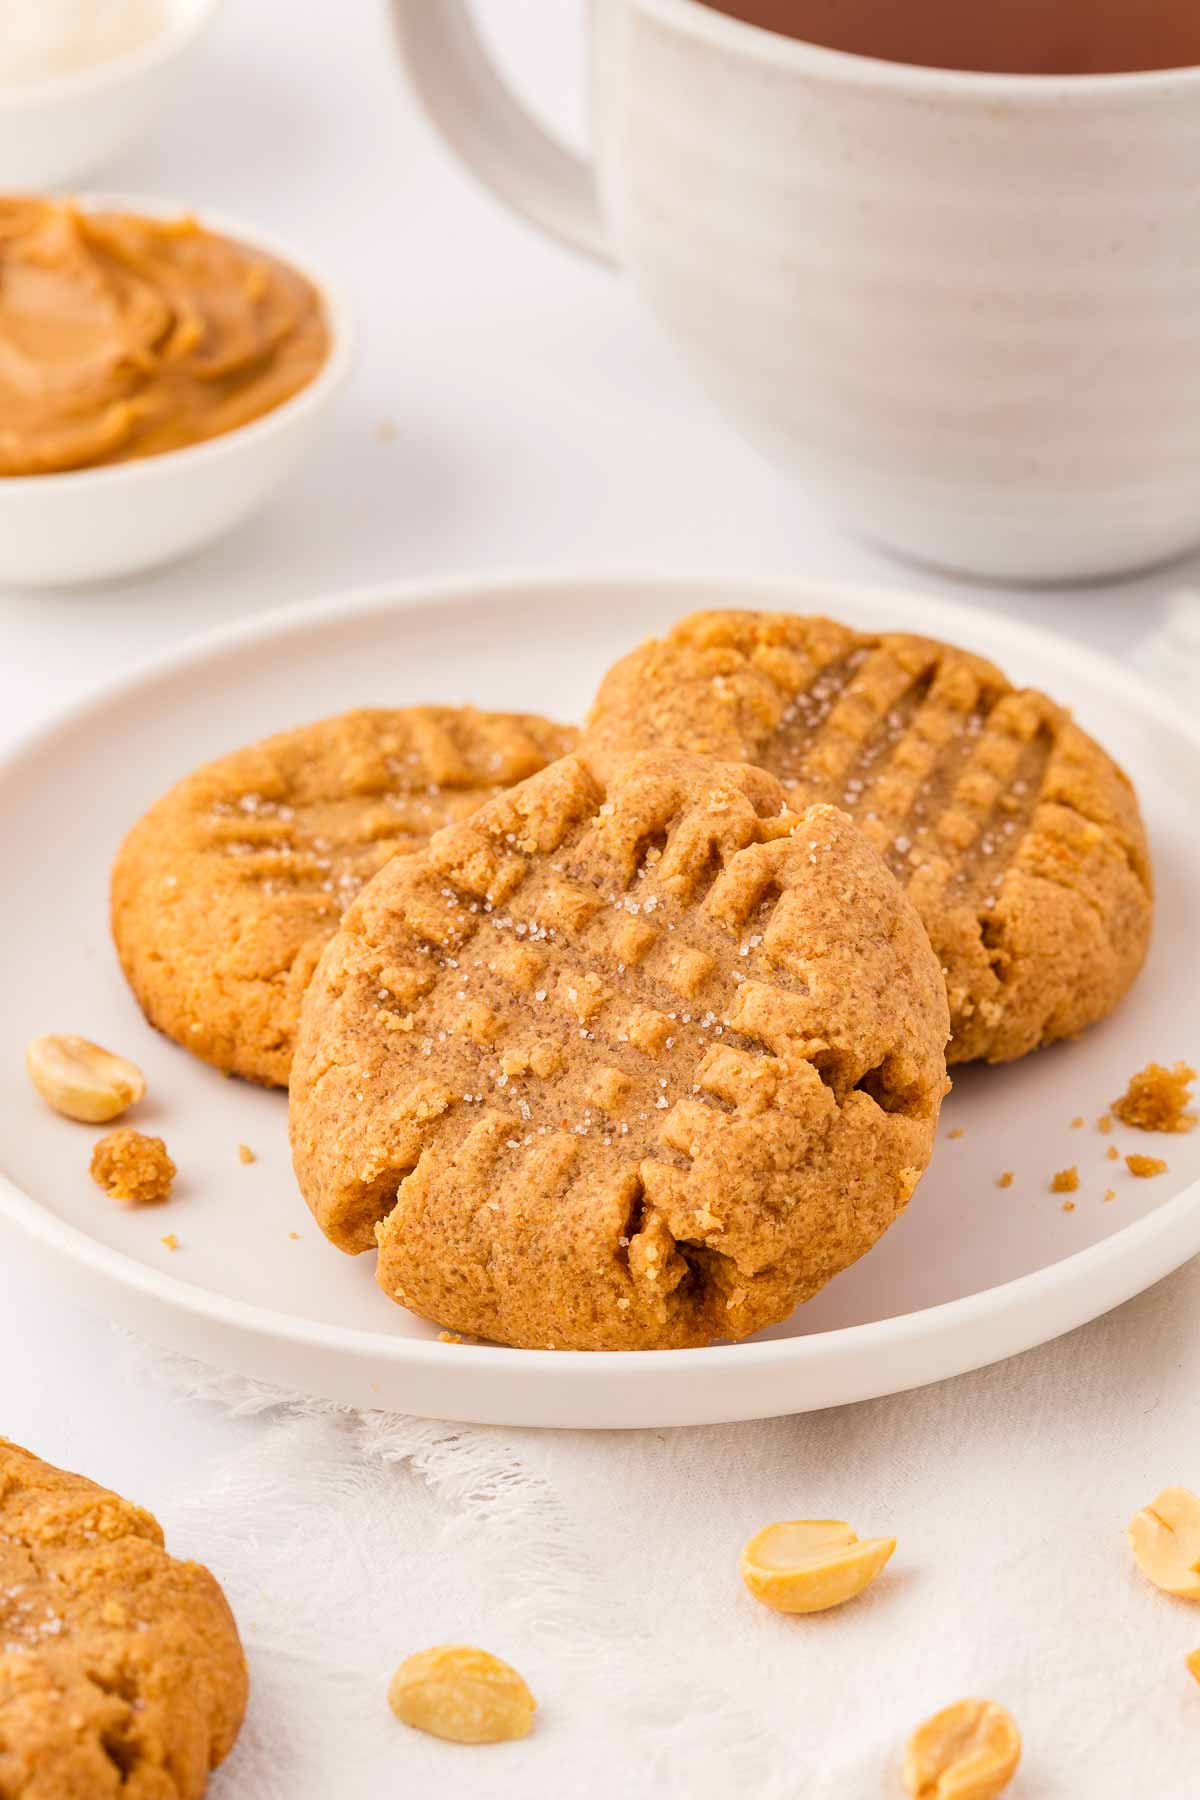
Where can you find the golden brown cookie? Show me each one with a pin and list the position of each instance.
(621, 1067)
(1018, 838)
(121, 1673)
(226, 892)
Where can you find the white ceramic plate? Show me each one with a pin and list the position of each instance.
(972, 1273)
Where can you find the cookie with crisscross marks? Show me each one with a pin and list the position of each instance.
(1019, 839)
(227, 891)
(621, 1066)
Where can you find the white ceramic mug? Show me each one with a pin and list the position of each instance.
(964, 307)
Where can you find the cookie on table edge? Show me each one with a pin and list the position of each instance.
(121, 1671)
(634, 1065)
(226, 891)
(1018, 837)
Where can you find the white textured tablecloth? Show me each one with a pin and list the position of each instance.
(604, 1566)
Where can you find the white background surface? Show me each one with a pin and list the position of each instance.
(541, 419)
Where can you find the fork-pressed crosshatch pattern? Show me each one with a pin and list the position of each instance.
(1019, 839)
(609, 1067)
(225, 893)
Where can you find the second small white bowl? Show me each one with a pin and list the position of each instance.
(97, 524)
(54, 130)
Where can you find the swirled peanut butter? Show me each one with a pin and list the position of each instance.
(123, 336)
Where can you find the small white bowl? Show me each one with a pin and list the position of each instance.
(54, 130)
(97, 524)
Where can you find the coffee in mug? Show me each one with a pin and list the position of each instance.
(1007, 37)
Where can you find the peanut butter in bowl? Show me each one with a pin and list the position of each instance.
(123, 336)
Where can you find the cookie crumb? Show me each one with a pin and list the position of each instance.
(956, 1133)
(1104, 1122)
(1065, 1181)
(450, 1337)
(1157, 1099)
(170, 1241)
(1112, 1153)
(1005, 1180)
(132, 1168)
(1078, 1122)
(1110, 1193)
(246, 1154)
(1145, 1166)
(1068, 1206)
(294, 1235)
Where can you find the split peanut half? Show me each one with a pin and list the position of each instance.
(809, 1565)
(458, 1692)
(968, 1751)
(1165, 1540)
(81, 1080)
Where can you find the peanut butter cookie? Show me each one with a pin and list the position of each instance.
(621, 1066)
(1018, 838)
(121, 1672)
(226, 892)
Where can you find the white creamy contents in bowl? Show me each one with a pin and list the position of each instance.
(44, 38)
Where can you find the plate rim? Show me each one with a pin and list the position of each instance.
(1081, 1271)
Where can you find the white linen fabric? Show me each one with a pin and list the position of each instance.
(604, 1567)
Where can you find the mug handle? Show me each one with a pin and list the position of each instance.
(503, 146)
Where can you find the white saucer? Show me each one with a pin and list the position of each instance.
(971, 1274)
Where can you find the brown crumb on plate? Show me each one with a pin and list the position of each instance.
(1065, 1181)
(245, 1154)
(1068, 1206)
(956, 1133)
(1110, 1193)
(1104, 1122)
(132, 1168)
(1005, 1180)
(1078, 1122)
(171, 1241)
(1145, 1166)
(1112, 1153)
(1157, 1099)
(294, 1235)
